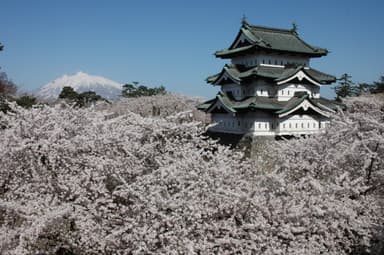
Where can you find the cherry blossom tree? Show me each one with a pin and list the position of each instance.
(111, 181)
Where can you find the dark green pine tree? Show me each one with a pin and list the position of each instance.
(89, 97)
(378, 86)
(135, 90)
(26, 101)
(345, 87)
(69, 93)
(81, 100)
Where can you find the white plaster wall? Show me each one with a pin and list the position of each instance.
(262, 88)
(262, 124)
(259, 88)
(259, 122)
(301, 124)
(286, 91)
(270, 59)
(226, 123)
(238, 91)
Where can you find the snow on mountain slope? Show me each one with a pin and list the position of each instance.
(81, 82)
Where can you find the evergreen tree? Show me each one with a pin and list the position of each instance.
(378, 86)
(135, 90)
(68, 93)
(88, 97)
(82, 99)
(364, 88)
(345, 88)
(26, 101)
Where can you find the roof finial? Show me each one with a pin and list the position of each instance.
(244, 20)
(294, 28)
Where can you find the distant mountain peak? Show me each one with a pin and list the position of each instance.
(81, 82)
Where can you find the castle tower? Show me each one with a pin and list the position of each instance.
(269, 88)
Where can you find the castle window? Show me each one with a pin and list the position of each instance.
(288, 92)
(296, 125)
(281, 62)
(308, 125)
(259, 125)
(284, 125)
(275, 62)
(290, 125)
(263, 61)
(238, 123)
(269, 61)
(266, 125)
(302, 125)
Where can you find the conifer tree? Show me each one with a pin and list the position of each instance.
(378, 86)
(345, 88)
(136, 90)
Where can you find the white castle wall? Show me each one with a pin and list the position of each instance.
(270, 59)
(261, 88)
(262, 124)
(286, 91)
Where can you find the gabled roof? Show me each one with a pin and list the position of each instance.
(228, 72)
(270, 39)
(281, 108)
(276, 73)
(311, 75)
(302, 102)
(228, 102)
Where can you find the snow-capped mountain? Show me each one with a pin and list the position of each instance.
(81, 82)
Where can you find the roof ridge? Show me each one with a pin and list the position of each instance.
(287, 31)
(272, 29)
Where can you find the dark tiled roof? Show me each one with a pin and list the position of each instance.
(266, 103)
(331, 104)
(292, 103)
(271, 72)
(282, 40)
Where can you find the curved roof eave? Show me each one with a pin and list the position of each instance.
(300, 74)
(221, 76)
(221, 101)
(302, 103)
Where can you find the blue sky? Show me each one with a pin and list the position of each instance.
(171, 43)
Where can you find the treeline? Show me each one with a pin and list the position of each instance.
(134, 89)
(347, 88)
(90, 97)
(8, 93)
